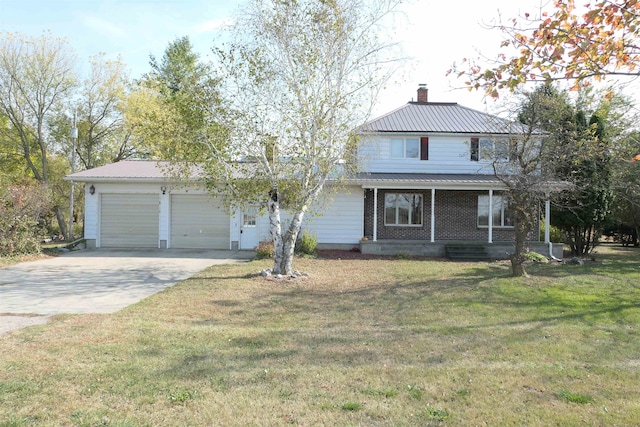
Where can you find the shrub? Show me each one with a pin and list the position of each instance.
(307, 244)
(22, 207)
(555, 234)
(265, 250)
(535, 257)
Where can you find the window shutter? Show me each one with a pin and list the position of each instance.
(475, 149)
(424, 148)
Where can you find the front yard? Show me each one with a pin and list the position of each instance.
(359, 342)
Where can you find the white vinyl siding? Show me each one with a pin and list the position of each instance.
(336, 219)
(198, 221)
(129, 220)
(447, 154)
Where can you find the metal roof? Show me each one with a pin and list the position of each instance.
(440, 117)
(428, 180)
(124, 169)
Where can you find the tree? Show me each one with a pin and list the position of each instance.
(583, 212)
(625, 217)
(528, 163)
(36, 77)
(296, 79)
(301, 76)
(175, 105)
(578, 43)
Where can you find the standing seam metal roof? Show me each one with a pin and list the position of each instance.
(438, 117)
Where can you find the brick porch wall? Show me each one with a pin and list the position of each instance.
(456, 218)
(395, 232)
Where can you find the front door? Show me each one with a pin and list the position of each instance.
(249, 230)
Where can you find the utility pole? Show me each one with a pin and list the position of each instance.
(74, 137)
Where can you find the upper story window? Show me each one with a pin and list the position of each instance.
(405, 148)
(489, 149)
(410, 148)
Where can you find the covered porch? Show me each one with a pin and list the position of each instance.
(456, 216)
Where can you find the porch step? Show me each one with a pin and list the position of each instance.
(466, 252)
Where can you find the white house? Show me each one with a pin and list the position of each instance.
(425, 187)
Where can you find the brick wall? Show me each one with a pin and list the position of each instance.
(396, 232)
(456, 218)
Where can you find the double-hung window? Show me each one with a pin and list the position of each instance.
(501, 214)
(403, 209)
(405, 148)
(489, 149)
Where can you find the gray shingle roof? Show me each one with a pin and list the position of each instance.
(439, 117)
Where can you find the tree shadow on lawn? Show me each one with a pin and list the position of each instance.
(438, 320)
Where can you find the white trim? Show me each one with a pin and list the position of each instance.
(433, 215)
(490, 219)
(375, 214)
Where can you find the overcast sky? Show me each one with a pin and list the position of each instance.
(433, 34)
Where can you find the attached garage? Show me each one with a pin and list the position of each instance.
(129, 220)
(198, 221)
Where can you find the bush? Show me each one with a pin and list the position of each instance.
(307, 244)
(536, 257)
(555, 234)
(265, 250)
(22, 207)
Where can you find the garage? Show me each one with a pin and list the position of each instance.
(129, 220)
(198, 221)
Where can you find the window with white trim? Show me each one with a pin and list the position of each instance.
(403, 209)
(405, 148)
(502, 215)
(489, 149)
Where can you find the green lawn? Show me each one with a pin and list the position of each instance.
(360, 342)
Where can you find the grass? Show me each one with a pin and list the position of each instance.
(381, 343)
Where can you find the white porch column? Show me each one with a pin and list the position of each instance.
(433, 215)
(490, 216)
(547, 221)
(375, 214)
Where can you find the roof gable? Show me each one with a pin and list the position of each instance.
(438, 117)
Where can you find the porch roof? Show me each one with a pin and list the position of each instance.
(428, 180)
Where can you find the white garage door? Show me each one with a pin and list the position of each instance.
(198, 221)
(129, 220)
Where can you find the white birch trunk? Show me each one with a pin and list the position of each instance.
(276, 232)
(289, 242)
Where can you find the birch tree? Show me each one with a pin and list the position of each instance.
(301, 74)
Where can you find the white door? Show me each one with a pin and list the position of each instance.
(249, 230)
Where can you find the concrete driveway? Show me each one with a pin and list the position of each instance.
(96, 281)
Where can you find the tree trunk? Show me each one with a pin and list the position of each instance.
(276, 230)
(62, 223)
(289, 242)
(517, 258)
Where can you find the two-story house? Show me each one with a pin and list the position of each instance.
(425, 187)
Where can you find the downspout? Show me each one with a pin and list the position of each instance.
(547, 226)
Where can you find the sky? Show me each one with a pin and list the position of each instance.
(432, 34)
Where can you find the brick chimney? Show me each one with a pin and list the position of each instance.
(423, 93)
